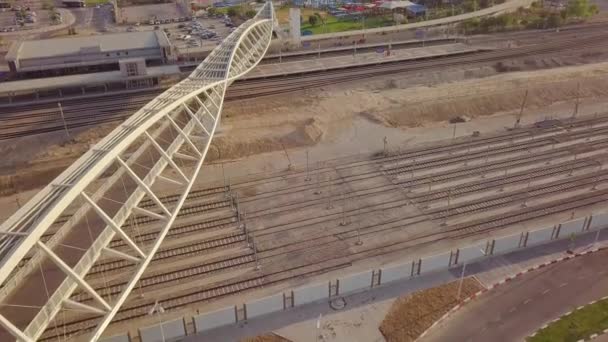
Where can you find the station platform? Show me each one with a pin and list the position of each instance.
(361, 59)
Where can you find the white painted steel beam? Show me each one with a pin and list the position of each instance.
(70, 304)
(108, 220)
(20, 234)
(70, 272)
(6, 324)
(168, 159)
(121, 255)
(143, 185)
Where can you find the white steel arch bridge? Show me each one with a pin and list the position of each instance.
(43, 261)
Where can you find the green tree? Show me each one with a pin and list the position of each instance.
(250, 13)
(321, 19)
(231, 12)
(212, 11)
(554, 20)
(313, 20)
(579, 9)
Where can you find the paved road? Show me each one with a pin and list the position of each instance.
(515, 310)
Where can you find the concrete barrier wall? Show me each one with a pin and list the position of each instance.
(506, 243)
(173, 330)
(118, 338)
(571, 227)
(540, 235)
(395, 272)
(469, 253)
(214, 319)
(599, 221)
(167, 331)
(355, 282)
(435, 262)
(264, 305)
(311, 293)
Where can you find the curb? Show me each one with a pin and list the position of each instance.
(503, 281)
(591, 337)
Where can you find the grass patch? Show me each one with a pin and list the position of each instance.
(283, 14)
(334, 25)
(95, 2)
(580, 324)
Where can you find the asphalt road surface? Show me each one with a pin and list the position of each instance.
(515, 310)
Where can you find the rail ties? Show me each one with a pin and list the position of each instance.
(194, 248)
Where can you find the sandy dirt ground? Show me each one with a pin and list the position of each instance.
(329, 119)
(321, 115)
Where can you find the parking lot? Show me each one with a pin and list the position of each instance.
(202, 33)
(189, 35)
(10, 20)
(142, 14)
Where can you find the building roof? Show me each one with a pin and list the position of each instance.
(416, 8)
(396, 4)
(98, 43)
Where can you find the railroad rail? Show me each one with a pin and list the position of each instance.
(116, 108)
(575, 176)
(150, 150)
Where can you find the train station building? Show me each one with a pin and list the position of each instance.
(79, 55)
(93, 63)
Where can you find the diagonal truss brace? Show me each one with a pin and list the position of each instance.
(70, 273)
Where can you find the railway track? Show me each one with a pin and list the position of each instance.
(215, 291)
(50, 121)
(338, 235)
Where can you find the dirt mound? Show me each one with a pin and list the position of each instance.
(504, 93)
(266, 338)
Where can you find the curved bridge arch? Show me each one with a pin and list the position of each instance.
(166, 141)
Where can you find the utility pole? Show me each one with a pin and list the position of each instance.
(307, 169)
(447, 213)
(578, 95)
(65, 125)
(464, 266)
(521, 110)
(385, 150)
(329, 204)
(318, 190)
(343, 221)
(359, 242)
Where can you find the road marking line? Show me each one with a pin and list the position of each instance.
(564, 284)
(546, 291)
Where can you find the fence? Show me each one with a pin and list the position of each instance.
(361, 281)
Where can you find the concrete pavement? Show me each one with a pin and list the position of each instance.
(515, 310)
